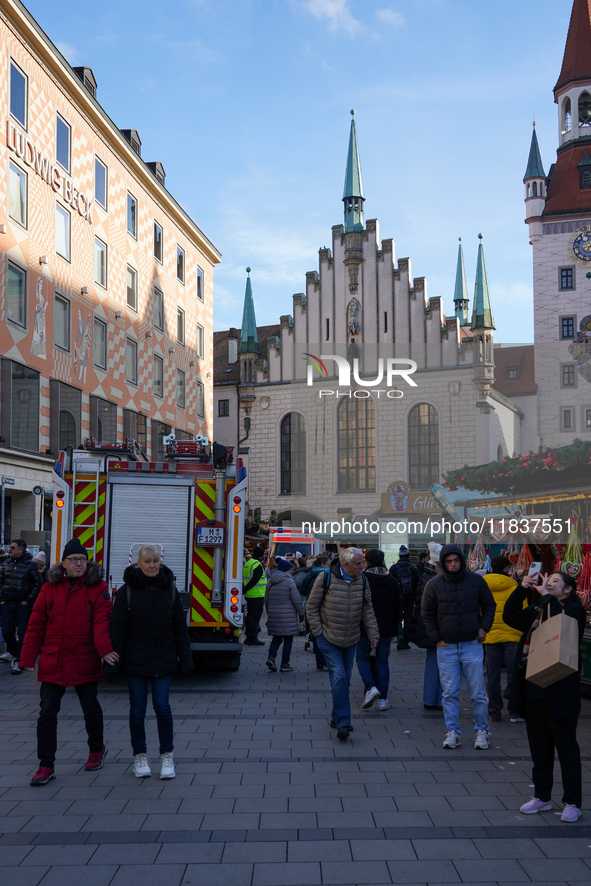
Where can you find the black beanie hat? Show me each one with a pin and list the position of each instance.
(74, 547)
(258, 553)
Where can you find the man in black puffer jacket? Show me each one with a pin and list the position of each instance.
(458, 610)
(20, 582)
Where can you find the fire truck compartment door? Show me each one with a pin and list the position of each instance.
(144, 513)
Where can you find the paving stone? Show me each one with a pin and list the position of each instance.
(272, 851)
(451, 849)
(296, 874)
(79, 875)
(44, 823)
(10, 856)
(333, 850)
(60, 855)
(519, 848)
(111, 822)
(355, 872)
(177, 822)
(503, 870)
(549, 869)
(383, 850)
(148, 875)
(23, 876)
(125, 853)
(218, 875)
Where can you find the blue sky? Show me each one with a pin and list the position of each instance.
(246, 103)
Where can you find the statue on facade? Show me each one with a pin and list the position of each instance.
(354, 317)
(38, 344)
(81, 350)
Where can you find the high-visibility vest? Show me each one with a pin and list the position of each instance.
(261, 586)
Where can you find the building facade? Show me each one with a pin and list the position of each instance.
(558, 215)
(106, 284)
(327, 445)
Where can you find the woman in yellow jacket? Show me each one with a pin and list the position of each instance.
(501, 641)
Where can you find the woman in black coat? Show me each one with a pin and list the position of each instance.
(432, 688)
(149, 633)
(551, 714)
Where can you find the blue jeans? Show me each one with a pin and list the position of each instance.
(276, 643)
(340, 667)
(463, 658)
(383, 671)
(432, 688)
(15, 616)
(138, 700)
(494, 654)
(319, 656)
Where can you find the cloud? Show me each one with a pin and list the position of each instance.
(337, 13)
(69, 52)
(389, 17)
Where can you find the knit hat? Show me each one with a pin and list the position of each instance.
(74, 547)
(403, 551)
(258, 553)
(284, 566)
(298, 554)
(434, 552)
(40, 557)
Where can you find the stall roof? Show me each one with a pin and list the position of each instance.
(464, 497)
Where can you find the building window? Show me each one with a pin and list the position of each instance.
(18, 94)
(293, 454)
(68, 435)
(158, 242)
(131, 288)
(327, 329)
(180, 326)
(513, 373)
(158, 309)
(199, 283)
(63, 222)
(131, 215)
(180, 264)
(17, 194)
(99, 344)
(62, 142)
(158, 377)
(135, 427)
(588, 418)
(224, 408)
(200, 399)
(567, 419)
(423, 446)
(16, 299)
(567, 278)
(499, 453)
(567, 327)
(100, 262)
(103, 420)
(24, 413)
(568, 378)
(356, 445)
(180, 434)
(200, 337)
(61, 322)
(180, 389)
(65, 415)
(100, 182)
(159, 432)
(385, 321)
(131, 361)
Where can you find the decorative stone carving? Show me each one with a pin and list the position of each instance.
(353, 315)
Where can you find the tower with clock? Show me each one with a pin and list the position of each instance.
(558, 214)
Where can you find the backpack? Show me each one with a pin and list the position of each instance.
(404, 575)
(327, 578)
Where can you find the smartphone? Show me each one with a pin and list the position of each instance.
(535, 568)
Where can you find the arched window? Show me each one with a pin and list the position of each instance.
(567, 116)
(528, 190)
(67, 429)
(534, 189)
(356, 444)
(293, 454)
(423, 446)
(585, 109)
(499, 453)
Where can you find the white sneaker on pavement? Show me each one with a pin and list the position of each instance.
(370, 697)
(167, 766)
(451, 740)
(141, 766)
(482, 742)
(6, 656)
(384, 704)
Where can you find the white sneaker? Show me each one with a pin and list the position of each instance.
(6, 656)
(451, 740)
(15, 668)
(384, 704)
(517, 720)
(141, 766)
(167, 766)
(482, 741)
(370, 697)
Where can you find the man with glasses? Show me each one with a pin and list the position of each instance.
(339, 601)
(69, 625)
(20, 581)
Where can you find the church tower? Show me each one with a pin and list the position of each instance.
(353, 191)
(461, 290)
(248, 347)
(482, 327)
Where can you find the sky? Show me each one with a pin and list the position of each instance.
(247, 104)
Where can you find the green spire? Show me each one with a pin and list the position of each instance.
(461, 290)
(249, 341)
(353, 191)
(482, 315)
(534, 163)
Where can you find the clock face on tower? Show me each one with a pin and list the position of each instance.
(581, 247)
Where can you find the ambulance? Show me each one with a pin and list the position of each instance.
(284, 540)
(192, 504)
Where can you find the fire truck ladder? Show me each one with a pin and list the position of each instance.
(85, 488)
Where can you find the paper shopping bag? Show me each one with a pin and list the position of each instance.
(554, 650)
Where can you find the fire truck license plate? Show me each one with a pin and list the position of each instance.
(210, 535)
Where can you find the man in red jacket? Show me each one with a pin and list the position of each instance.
(69, 625)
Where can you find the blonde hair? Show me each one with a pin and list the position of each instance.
(148, 550)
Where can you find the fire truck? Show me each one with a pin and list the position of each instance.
(192, 504)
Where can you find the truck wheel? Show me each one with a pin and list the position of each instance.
(233, 662)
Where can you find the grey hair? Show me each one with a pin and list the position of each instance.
(148, 550)
(347, 555)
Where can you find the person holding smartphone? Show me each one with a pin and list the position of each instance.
(550, 713)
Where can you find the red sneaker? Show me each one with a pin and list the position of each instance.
(95, 760)
(42, 776)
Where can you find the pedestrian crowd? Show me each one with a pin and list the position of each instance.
(352, 608)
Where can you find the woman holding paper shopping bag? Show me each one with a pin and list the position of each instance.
(551, 713)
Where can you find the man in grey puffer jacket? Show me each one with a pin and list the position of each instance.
(335, 616)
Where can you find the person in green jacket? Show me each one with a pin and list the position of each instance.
(501, 641)
(255, 585)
